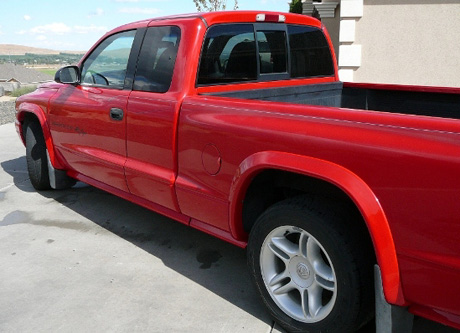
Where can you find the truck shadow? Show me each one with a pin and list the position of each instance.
(18, 170)
(211, 263)
(206, 260)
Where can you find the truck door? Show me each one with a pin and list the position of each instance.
(152, 119)
(88, 121)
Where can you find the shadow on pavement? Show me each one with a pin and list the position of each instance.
(17, 169)
(206, 260)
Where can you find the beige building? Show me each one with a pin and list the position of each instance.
(394, 41)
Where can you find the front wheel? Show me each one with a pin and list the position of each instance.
(37, 163)
(312, 274)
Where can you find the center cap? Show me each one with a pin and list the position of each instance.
(303, 271)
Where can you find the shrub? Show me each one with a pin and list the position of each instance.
(23, 91)
(295, 6)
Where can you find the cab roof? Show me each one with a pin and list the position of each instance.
(238, 16)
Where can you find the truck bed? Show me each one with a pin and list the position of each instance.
(426, 101)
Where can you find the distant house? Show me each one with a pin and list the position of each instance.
(13, 76)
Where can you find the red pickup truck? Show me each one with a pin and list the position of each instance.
(236, 124)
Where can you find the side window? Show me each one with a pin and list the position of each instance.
(106, 66)
(272, 51)
(228, 55)
(309, 52)
(157, 59)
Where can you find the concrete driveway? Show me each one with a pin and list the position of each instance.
(82, 260)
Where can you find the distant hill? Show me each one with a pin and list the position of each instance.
(12, 49)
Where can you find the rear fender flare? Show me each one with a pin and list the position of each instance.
(356, 189)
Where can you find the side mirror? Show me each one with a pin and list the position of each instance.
(68, 75)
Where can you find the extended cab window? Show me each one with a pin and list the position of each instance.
(229, 54)
(157, 59)
(309, 52)
(106, 66)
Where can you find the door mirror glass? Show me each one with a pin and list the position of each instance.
(68, 75)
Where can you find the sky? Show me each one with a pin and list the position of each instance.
(77, 25)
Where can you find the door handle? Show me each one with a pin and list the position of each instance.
(116, 114)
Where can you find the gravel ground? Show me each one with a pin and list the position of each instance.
(6, 112)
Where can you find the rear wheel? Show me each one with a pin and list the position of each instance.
(310, 268)
(37, 163)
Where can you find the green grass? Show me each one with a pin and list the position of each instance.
(23, 91)
(49, 71)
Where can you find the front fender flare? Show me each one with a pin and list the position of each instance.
(29, 108)
(356, 189)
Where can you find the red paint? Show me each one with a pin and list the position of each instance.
(399, 87)
(192, 157)
(150, 167)
(91, 143)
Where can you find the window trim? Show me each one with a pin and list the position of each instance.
(132, 58)
(328, 46)
(138, 57)
(201, 54)
(263, 77)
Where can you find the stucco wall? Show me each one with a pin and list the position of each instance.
(333, 28)
(409, 42)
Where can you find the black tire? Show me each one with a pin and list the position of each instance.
(37, 163)
(324, 281)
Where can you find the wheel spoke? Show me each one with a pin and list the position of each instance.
(324, 275)
(284, 289)
(303, 244)
(278, 278)
(283, 248)
(313, 250)
(313, 302)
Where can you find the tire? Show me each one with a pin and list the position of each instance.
(311, 268)
(37, 163)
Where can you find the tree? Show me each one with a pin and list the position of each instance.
(295, 6)
(212, 5)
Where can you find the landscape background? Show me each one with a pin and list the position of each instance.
(43, 60)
